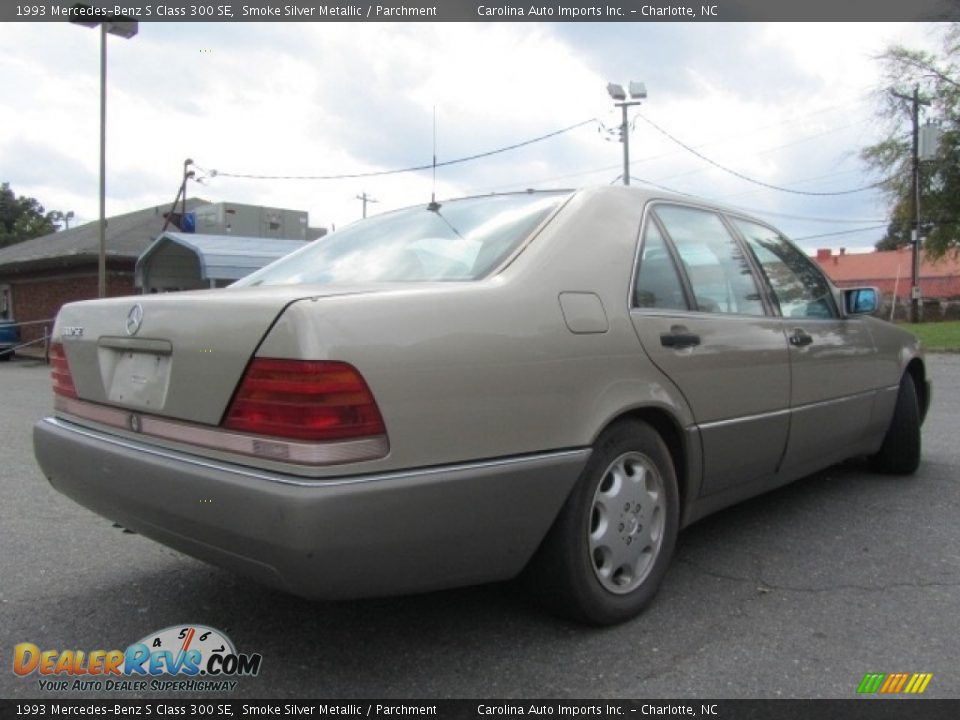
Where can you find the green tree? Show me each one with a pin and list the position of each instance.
(938, 76)
(22, 218)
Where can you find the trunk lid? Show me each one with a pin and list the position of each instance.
(177, 355)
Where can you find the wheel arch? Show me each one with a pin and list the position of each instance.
(683, 446)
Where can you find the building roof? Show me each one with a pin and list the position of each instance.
(127, 236)
(225, 257)
(884, 265)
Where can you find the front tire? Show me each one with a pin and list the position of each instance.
(900, 452)
(606, 554)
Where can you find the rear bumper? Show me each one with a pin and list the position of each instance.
(348, 537)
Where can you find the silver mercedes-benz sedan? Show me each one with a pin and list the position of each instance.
(547, 382)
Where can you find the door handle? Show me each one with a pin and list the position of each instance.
(800, 338)
(679, 337)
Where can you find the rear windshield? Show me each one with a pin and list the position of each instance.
(459, 240)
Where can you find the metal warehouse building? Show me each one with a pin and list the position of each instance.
(185, 261)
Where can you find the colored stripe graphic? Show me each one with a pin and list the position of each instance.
(894, 683)
(871, 682)
(925, 679)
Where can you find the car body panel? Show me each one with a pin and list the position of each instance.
(737, 382)
(834, 382)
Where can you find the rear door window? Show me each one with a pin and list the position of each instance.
(717, 268)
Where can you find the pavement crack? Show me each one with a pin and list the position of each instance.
(918, 584)
(713, 573)
(764, 586)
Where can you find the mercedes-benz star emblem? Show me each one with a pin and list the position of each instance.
(134, 318)
(134, 422)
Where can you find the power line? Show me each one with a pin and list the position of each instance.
(536, 183)
(397, 171)
(808, 218)
(714, 141)
(650, 158)
(795, 181)
(748, 178)
(838, 232)
(658, 186)
(759, 211)
(607, 168)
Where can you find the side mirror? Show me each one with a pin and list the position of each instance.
(861, 301)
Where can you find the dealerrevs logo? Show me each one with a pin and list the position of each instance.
(197, 656)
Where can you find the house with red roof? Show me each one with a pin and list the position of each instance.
(890, 272)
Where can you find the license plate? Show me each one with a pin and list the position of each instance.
(140, 380)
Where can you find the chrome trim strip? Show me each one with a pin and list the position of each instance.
(745, 418)
(277, 449)
(777, 413)
(837, 401)
(317, 482)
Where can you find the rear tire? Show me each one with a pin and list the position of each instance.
(6, 355)
(900, 452)
(606, 554)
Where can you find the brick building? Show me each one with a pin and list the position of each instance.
(939, 279)
(38, 276)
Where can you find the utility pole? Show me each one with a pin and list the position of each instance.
(366, 199)
(915, 103)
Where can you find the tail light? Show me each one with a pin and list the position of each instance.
(60, 372)
(304, 400)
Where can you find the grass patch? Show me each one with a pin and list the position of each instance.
(937, 335)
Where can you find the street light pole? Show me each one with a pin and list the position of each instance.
(625, 139)
(102, 255)
(638, 92)
(125, 28)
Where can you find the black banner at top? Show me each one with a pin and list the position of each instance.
(480, 10)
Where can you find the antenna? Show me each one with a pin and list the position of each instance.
(433, 190)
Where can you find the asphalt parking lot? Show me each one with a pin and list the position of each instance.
(795, 594)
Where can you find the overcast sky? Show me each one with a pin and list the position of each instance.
(786, 104)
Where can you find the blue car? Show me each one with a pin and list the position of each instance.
(9, 338)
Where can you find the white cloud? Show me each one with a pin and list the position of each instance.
(782, 103)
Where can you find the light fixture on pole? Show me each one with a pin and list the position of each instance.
(60, 217)
(638, 92)
(124, 27)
